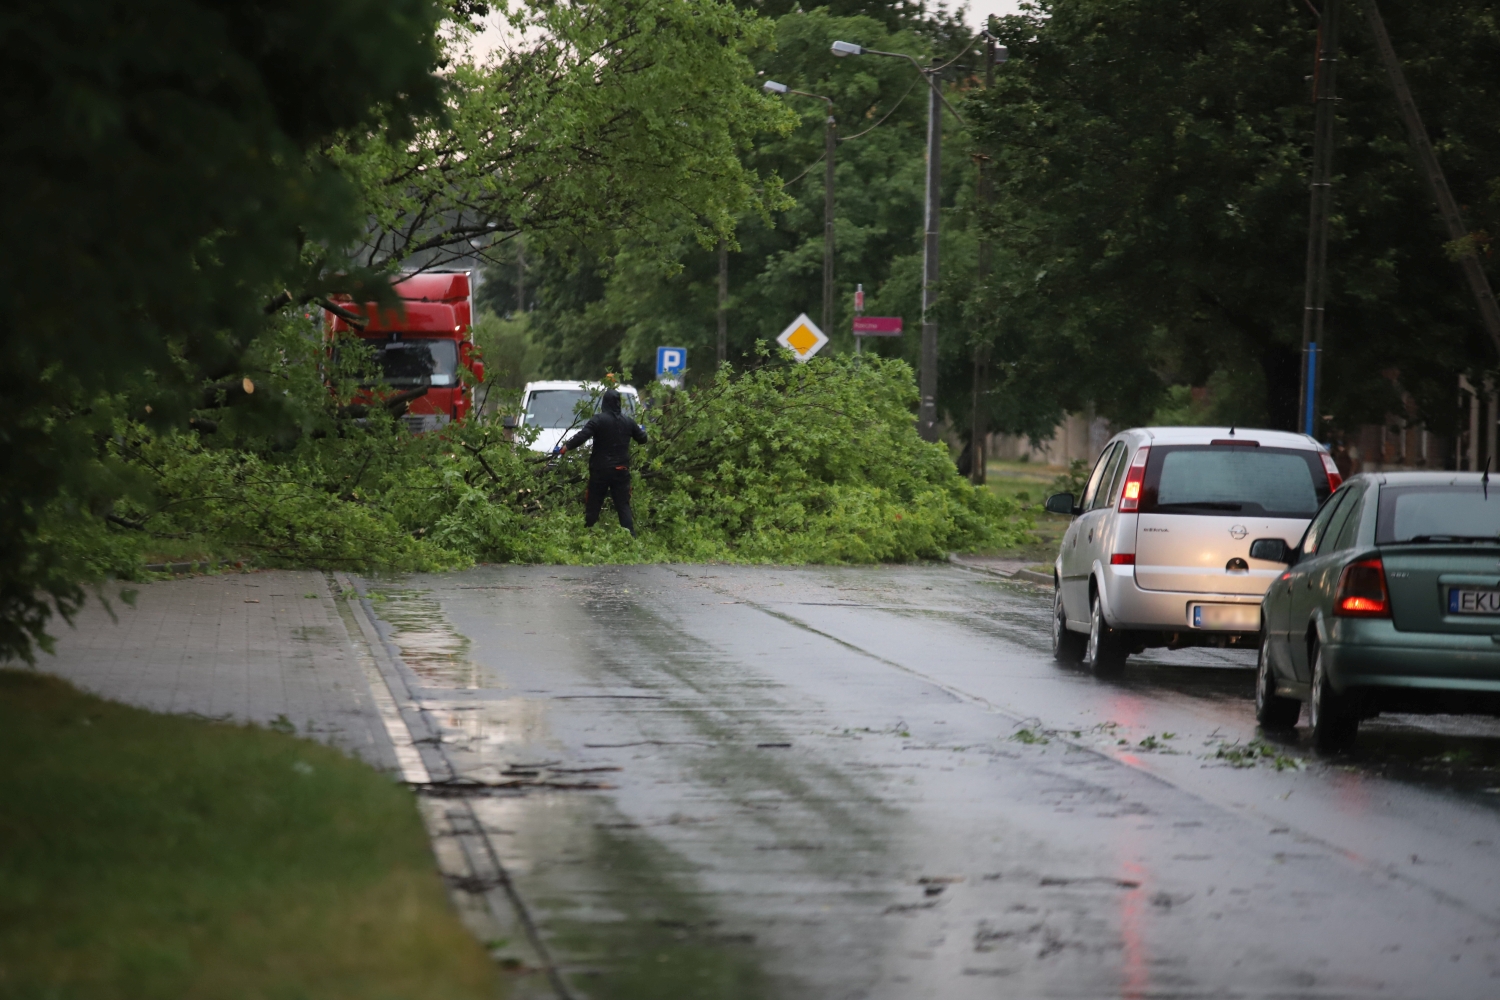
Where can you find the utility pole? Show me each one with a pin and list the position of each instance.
(722, 353)
(830, 144)
(927, 376)
(977, 424)
(927, 381)
(1316, 292)
(1422, 146)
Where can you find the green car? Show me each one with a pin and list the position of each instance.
(1389, 603)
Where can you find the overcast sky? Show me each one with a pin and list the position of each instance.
(494, 32)
(981, 9)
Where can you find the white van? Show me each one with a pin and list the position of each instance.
(552, 408)
(1158, 553)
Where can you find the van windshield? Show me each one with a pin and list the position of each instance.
(1438, 513)
(557, 407)
(1220, 480)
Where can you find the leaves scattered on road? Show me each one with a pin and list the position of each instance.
(1237, 754)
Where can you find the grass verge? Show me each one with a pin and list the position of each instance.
(146, 855)
(1029, 484)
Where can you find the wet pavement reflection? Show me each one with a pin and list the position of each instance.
(875, 782)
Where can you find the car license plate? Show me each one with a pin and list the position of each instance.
(1239, 617)
(1473, 602)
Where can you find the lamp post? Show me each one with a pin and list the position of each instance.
(830, 143)
(927, 376)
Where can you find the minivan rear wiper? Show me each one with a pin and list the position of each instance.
(1201, 505)
(1454, 538)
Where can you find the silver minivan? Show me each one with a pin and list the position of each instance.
(1158, 553)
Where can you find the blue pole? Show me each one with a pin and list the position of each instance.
(1308, 423)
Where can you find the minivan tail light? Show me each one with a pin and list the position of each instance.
(1362, 591)
(1335, 477)
(1122, 559)
(1130, 496)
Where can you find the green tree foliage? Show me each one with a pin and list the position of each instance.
(595, 310)
(1152, 159)
(511, 357)
(782, 463)
(1148, 234)
(158, 188)
(175, 164)
(614, 118)
(818, 462)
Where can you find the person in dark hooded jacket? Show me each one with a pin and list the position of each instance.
(609, 463)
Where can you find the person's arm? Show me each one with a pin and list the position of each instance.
(638, 432)
(581, 437)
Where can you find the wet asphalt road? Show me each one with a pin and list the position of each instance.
(842, 783)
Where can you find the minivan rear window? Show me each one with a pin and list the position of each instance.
(1438, 513)
(1219, 481)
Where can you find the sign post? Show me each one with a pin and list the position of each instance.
(875, 326)
(671, 362)
(859, 310)
(802, 338)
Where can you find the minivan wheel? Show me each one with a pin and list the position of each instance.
(1067, 646)
(1105, 653)
(1272, 711)
(1334, 721)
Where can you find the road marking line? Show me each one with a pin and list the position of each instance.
(408, 757)
(483, 864)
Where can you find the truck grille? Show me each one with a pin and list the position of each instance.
(424, 423)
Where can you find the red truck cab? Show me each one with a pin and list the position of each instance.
(422, 345)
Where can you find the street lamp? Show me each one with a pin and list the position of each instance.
(830, 141)
(927, 379)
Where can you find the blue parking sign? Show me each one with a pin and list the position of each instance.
(670, 361)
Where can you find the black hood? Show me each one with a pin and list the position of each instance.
(611, 401)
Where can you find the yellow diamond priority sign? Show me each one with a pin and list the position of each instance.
(802, 338)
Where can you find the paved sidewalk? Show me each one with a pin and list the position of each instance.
(269, 648)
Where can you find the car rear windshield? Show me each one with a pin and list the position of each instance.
(558, 407)
(1438, 513)
(1223, 480)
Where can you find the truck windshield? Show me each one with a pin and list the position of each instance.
(1220, 480)
(415, 362)
(556, 407)
(1438, 513)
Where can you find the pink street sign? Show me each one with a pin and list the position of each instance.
(877, 326)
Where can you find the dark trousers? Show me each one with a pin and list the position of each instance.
(613, 483)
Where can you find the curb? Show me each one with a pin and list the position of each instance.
(1018, 576)
(200, 566)
(1032, 576)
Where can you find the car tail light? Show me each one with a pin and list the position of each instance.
(1335, 477)
(1122, 559)
(1362, 592)
(1130, 497)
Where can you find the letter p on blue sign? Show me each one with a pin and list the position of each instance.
(670, 361)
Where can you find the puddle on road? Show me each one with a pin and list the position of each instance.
(619, 911)
(616, 909)
(1452, 754)
(429, 645)
(481, 735)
